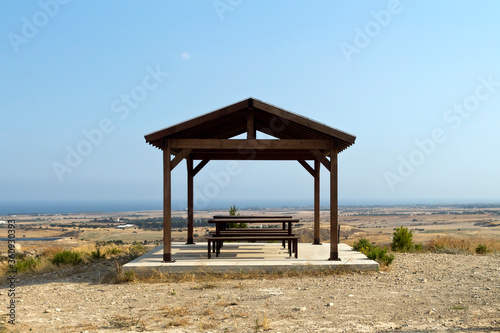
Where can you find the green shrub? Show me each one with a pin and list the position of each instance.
(137, 248)
(373, 252)
(26, 264)
(232, 212)
(97, 254)
(67, 257)
(402, 240)
(380, 255)
(129, 276)
(481, 249)
(113, 250)
(362, 245)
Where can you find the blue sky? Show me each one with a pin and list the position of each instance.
(418, 83)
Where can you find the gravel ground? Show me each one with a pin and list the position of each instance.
(419, 293)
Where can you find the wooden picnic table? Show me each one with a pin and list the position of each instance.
(253, 217)
(221, 221)
(251, 234)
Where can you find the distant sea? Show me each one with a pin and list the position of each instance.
(86, 206)
(62, 207)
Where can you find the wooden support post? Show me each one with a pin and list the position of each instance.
(190, 200)
(334, 208)
(167, 204)
(317, 166)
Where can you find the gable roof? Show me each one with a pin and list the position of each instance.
(231, 121)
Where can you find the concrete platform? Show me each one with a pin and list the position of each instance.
(237, 257)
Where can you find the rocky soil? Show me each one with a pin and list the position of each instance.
(419, 293)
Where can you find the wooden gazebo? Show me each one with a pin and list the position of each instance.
(208, 137)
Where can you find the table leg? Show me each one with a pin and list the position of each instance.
(283, 228)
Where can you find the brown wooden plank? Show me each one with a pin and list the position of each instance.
(253, 216)
(200, 166)
(190, 200)
(249, 144)
(317, 167)
(243, 238)
(252, 155)
(251, 132)
(179, 157)
(307, 167)
(167, 204)
(252, 220)
(319, 156)
(334, 208)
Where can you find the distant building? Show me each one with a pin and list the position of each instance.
(127, 226)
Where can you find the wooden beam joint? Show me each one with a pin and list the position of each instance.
(179, 157)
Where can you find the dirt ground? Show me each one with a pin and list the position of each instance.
(419, 293)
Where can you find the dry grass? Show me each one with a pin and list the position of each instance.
(205, 286)
(209, 312)
(181, 311)
(179, 322)
(88, 254)
(461, 244)
(263, 322)
(207, 325)
(123, 322)
(50, 251)
(177, 315)
(224, 303)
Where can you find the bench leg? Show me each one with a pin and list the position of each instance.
(296, 246)
(209, 250)
(289, 248)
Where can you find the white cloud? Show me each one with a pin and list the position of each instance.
(185, 55)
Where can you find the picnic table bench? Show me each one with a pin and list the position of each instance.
(214, 242)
